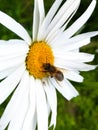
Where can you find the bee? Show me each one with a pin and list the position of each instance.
(53, 71)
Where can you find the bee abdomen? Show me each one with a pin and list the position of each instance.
(59, 76)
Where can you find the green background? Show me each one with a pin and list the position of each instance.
(81, 113)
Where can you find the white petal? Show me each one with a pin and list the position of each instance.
(47, 20)
(72, 56)
(65, 88)
(35, 21)
(71, 16)
(41, 11)
(17, 58)
(58, 34)
(62, 16)
(70, 65)
(80, 40)
(15, 102)
(49, 109)
(15, 27)
(5, 73)
(80, 21)
(52, 99)
(10, 83)
(39, 15)
(18, 118)
(50, 40)
(30, 119)
(5, 64)
(13, 47)
(71, 75)
(76, 50)
(42, 112)
(74, 42)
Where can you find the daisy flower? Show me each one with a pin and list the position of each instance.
(34, 68)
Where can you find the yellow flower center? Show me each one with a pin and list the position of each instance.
(39, 54)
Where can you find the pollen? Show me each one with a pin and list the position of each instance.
(39, 54)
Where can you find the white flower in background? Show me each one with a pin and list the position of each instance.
(35, 68)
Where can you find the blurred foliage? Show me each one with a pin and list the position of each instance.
(81, 113)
